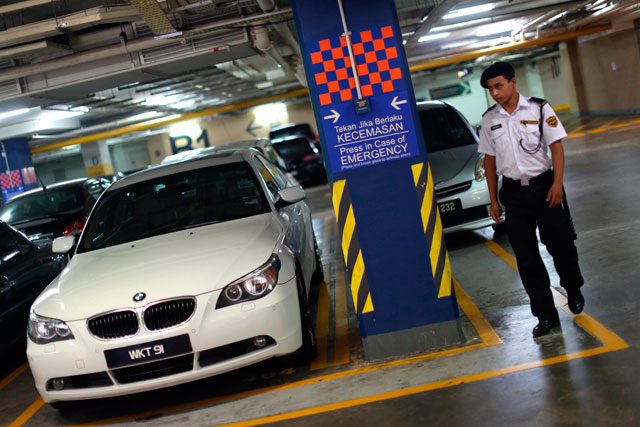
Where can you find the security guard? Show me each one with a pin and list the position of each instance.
(516, 134)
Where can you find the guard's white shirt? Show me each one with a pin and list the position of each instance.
(511, 138)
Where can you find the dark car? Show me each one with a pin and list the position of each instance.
(302, 158)
(49, 212)
(25, 270)
(295, 129)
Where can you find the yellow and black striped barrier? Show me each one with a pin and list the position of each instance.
(432, 226)
(351, 250)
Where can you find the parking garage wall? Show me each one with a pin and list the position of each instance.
(610, 67)
(471, 104)
(57, 170)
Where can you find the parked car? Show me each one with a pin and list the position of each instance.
(261, 144)
(49, 212)
(183, 271)
(303, 159)
(291, 129)
(25, 270)
(457, 167)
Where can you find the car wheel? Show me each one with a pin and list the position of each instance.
(309, 348)
(318, 274)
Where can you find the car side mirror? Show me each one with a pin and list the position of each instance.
(289, 196)
(62, 245)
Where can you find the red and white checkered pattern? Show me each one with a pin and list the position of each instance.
(8, 181)
(377, 65)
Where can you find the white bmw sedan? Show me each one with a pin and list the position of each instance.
(183, 271)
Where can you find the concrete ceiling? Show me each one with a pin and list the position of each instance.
(94, 65)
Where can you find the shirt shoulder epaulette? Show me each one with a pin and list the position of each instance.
(489, 109)
(539, 101)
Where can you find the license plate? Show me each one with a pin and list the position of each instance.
(148, 352)
(450, 206)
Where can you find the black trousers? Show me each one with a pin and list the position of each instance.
(525, 209)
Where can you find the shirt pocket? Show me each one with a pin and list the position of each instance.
(530, 141)
(499, 137)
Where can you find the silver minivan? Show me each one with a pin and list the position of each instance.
(457, 167)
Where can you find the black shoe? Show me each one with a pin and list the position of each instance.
(544, 327)
(576, 302)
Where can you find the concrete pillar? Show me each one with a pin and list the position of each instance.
(159, 147)
(571, 59)
(96, 158)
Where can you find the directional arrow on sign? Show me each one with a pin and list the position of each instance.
(250, 128)
(395, 102)
(335, 116)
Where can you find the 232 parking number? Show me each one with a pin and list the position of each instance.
(447, 207)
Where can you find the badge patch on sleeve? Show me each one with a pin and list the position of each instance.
(552, 121)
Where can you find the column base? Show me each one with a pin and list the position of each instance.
(414, 340)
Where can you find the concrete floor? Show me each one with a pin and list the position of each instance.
(585, 375)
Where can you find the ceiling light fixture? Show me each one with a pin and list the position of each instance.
(459, 25)
(468, 11)
(432, 37)
(498, 27)
(490, 43)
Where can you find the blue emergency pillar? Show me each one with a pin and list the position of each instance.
(16, 168)
(396, 262)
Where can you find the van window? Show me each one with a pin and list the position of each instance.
(443, 128)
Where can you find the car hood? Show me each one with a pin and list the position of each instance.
(187, 262)
(455, 165)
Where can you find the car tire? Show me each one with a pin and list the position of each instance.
(309, 349)
(318, 273)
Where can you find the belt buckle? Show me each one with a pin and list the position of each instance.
(524, 182)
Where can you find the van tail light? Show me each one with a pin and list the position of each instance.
(309, 157)
(75, 227)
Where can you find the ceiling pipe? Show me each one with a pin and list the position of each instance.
(284, 31)
(626, 6)
(101, 38)
(108, 52)
(433, 17)
(263, 43)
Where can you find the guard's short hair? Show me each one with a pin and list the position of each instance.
(497, 69)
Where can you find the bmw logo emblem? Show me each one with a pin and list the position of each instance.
(139, 296)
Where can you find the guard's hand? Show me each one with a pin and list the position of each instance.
(555, 195)
(496, 212)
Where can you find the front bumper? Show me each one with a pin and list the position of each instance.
(219, 339)
(475, 211)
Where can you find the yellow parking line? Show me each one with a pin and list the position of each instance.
(610, 340)
(486, 333)
(422, 388)
(6, 380)
(28, 413)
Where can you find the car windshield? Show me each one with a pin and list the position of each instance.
(174, 202)
(443, 129)
(41, 204)
(294, 150)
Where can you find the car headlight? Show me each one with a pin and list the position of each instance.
(43, 330)
(253, 286)
(479, 171)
